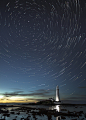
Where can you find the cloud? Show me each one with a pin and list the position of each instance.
(83, 87)
(75, 101)
(77, 97)
(16, 89)
(19, 100)
(10, 94)
(37, 99)
(32, 96)
(2, 99)
(38, 93)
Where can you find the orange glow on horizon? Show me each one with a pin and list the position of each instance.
(18, 101)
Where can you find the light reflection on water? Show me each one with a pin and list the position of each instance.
(58, 118)
(65, 109)
(57, 107)
(9, 108)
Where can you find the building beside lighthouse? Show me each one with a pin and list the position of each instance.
(51, 101)
(57, 101)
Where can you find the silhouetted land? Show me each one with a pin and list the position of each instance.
(65, 104)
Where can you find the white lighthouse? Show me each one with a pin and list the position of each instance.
(57, 93)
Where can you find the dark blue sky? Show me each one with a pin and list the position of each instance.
(42, 45)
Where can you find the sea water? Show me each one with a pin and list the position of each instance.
(59, 108)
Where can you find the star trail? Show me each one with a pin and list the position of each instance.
(42, 45)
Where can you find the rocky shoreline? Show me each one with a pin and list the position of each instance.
(35, 113)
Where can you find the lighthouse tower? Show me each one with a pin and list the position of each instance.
(57, 93)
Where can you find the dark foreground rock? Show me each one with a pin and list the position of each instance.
(42, 112)
(49, 113)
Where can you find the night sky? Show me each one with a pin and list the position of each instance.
(42, 45)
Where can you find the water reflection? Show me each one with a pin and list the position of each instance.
(58, 118)
(57, 107)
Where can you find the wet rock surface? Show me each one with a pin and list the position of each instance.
(28, 113)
